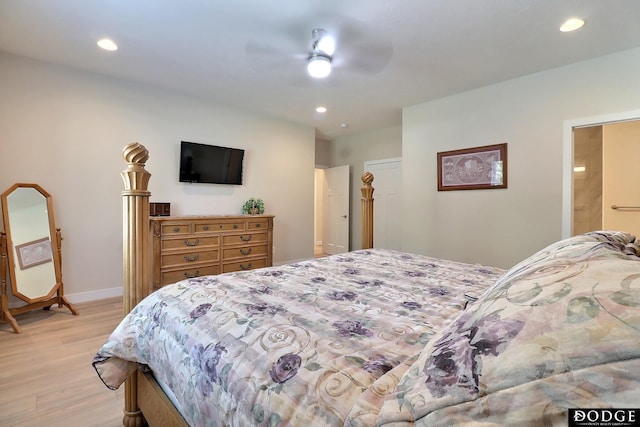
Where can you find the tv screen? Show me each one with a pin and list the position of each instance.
(210, 164)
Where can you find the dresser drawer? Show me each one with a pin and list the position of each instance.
(190, 242)
(177, 228)
(170, 259)
(243, 239)
(244, 265)
(219, 225)
(257, 224)
(168, 277)
(244, 252)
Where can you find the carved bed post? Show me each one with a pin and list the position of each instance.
(135, 254)
(367, 210)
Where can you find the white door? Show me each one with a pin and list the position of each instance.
(335, 231)
(387, 205)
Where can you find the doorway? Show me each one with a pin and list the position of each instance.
(596, 210)
(331, 211)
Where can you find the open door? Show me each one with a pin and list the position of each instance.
(603, 198)
(335, 235)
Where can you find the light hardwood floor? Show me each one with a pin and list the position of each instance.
(46, 377)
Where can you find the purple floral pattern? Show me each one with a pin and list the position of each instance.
(342, 295)
(285, 368)
(207, 358)
(456, 360)
(347, 328)
(264, 308)
(314, 334)
(558, 330)
(200, 310)
(378, 365)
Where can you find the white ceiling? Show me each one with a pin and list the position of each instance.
(418, 50)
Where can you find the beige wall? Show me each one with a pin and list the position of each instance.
(501, 227)
(621, 161)
(65, 129)
(354, 150)
(323, 153)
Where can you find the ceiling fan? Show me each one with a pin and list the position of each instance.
(322, 49)
(337, 45)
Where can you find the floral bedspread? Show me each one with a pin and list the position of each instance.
(559, 330)
(313, 343)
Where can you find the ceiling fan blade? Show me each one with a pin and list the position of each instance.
(285, 49)
(264, 56)
(367, 58)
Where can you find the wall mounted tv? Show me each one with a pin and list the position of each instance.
(210, 164)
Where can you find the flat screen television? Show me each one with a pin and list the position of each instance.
(210, 164)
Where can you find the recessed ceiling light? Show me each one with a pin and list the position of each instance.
(321, 109)
(571, 25)
(344, 125)
(107, 44)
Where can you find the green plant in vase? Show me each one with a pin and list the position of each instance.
(253, 206)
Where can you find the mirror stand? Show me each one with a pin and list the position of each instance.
(31, 252)
(6, 315)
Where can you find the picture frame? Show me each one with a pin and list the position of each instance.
(34, 253)
(476, 168)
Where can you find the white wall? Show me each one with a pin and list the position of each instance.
(501, 227)
(65, 129)
(356, 149)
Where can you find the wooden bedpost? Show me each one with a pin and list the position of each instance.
(367, 210)
(135, 254)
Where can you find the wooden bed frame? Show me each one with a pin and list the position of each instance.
(145, 402)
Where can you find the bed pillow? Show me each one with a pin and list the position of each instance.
(559, 330)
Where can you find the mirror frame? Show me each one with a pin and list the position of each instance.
(55, 249)
(56, 294)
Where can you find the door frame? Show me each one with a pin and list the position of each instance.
(567, 157)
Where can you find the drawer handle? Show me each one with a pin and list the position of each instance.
(245, 266)
(194, 243)
(176, 229)
(244, 251)
(235, 226)
(206, 227)
(246, 238)
(191, 276)
(258, 225)
(193, 258)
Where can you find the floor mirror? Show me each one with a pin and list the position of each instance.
(31, 253)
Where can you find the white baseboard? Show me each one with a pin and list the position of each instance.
(95, 295)
(83, 296)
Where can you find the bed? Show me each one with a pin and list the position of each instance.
(377, 337)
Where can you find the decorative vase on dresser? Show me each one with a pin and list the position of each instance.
(192, 246)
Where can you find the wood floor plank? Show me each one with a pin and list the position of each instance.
(46, 377)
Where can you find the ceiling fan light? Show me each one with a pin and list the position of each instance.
(319, 66)
(327, 45)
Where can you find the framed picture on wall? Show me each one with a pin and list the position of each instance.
(477, 168)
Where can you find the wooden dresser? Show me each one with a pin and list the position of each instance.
(192, 246)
